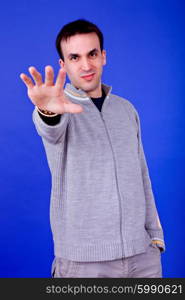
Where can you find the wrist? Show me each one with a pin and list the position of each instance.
(46, 113)
(159, 242)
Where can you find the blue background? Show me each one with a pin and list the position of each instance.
(145, 64)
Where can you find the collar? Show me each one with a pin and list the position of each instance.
(79, 94)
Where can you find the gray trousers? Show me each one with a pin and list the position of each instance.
(144, 265)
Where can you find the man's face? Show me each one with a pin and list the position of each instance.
(83, 62)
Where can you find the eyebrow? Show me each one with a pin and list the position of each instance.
(95, 50)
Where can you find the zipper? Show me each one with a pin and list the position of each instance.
(115, 169)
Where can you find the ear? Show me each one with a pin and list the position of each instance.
(104, 57)
(61, 63)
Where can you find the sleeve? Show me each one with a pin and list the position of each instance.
(52, 133)
(50, 120)
(153, 224)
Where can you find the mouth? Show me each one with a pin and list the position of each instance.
(88, 77)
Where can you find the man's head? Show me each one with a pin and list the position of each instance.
(80, 47)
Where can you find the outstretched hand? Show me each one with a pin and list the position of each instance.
(49, 95)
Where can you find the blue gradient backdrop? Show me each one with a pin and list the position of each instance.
(145, 64)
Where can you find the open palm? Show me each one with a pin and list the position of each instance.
(47, 95)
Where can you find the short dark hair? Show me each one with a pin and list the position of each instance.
(79, 26)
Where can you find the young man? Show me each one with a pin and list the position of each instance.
(103, 214)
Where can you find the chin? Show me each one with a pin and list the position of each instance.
(89, 87)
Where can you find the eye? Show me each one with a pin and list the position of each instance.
(74, 57)
(93, 54)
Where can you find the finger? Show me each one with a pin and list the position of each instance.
(36, 75)
(27, 80)
(49, 75)
(60, 79)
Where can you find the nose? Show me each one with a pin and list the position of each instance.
(85, 64)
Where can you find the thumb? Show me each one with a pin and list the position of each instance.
(73, 108)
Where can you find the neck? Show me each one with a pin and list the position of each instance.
(96, 93)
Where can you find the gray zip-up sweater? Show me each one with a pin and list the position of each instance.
(102, 204)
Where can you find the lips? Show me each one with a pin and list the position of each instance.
(88, 77)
